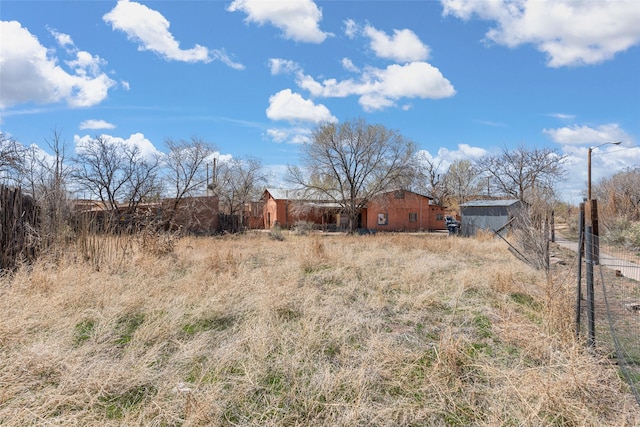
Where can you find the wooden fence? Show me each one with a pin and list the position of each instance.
(18, 228)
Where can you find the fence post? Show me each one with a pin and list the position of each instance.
(596, 233)
(589, 253)
(580, 250)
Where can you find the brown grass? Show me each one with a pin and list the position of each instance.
(312, 330)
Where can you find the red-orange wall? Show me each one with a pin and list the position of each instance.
(397, 210)
(428, 217)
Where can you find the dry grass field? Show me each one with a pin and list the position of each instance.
(313, 330)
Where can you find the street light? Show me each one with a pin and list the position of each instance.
(589, 165)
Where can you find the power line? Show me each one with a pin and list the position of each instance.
(599, 153)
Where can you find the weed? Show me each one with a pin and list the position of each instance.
(83, 331)
(525, 300)
(213, 323)
(126, 326)
(483, 325)
(116, 405)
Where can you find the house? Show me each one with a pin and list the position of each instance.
(397, 210)
(403, 210)
(491, 215)
(284, 208)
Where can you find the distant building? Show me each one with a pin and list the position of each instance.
(403, 210)
(490, 215)
(397, 210)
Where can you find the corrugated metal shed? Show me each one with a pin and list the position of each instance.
(489, 215)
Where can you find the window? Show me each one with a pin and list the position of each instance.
(413, 216)
(439, 217)
(383, 219)
(399, 194)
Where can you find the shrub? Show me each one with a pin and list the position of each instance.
(302, 228)
(276, 233)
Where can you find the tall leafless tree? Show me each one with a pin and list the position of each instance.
(462, 181)
(186, 165)
(352, 162)
(429, 175)
(524, 173)
(116, 173)
(46, 176)
(11, 158)
(238, 182)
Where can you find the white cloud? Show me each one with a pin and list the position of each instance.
(96, 124)
(151, 30)
(286, 105)
(298, 20)
(294, 135)
(350, 28)
(445, 157)
(348, 65)
(464, 151)
(569, 32)
(62, 39)
(282, 66)
(605, 161)
(586, 135)
(219, 157)
(146, 147)
(30, 73)
(381, 88)
(403, 46)
(562, 116)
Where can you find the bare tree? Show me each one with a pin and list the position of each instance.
(522, 172)
(11, 158)
(462, 181)
(186, 171)
(619, 195)
(353, 162)
(115, 173)
(238, 182)
(430, 178)
(47, 175)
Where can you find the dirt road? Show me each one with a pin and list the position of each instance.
(626, 268)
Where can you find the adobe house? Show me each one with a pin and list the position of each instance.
(403, 210)
(491, 215)
(286, 207)
(398, 210)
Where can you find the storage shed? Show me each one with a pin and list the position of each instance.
(491, 215)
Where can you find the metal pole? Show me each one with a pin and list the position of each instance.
(589, 174)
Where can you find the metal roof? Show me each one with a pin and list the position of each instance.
(294, 194)
(301, 194)
(490, 203)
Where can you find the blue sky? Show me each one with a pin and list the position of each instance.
(461, 78)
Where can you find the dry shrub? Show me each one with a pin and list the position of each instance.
(485, 235)
(336, 330)
(156, 242)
